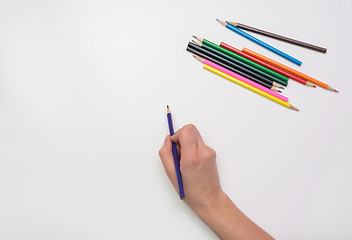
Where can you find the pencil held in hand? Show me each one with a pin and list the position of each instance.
(175, 155)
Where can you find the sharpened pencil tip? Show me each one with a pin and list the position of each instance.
(293, 108)
(194, 36)
(222, 22)
(197, 42)
(331, 89)
(314, 86)
(167, 106)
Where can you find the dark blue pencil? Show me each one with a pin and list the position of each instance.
(174, 152)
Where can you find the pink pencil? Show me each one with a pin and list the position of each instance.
(243, 79)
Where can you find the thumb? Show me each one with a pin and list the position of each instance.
(167, 159)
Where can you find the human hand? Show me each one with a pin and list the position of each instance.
(202, 188)
(198, 168)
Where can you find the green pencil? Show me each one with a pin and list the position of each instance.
(242, 59)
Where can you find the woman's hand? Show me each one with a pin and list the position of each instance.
(197, 165)
(202, 189)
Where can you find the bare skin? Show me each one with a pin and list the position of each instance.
(202, 187)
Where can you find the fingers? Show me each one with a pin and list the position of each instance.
(178, 147)
(187, 140)
(188, 137)
(167, 159)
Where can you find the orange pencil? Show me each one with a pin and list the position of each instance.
(288, 69)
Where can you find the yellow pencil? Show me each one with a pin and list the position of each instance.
(249, 87)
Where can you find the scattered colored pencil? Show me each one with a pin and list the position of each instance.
(252, 70)
(242, 59)
(241, 78)
(220, 51)
(276, 69)
(226, 64)
(288, 69)
(279, 37)
(249, 87)
(175, 154)
(259, 42)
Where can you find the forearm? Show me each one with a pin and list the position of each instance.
(228, 222)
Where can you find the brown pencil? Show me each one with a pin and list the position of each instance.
(279, 37)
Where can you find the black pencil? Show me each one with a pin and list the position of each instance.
(237, 64)
(240, 70)
(234, 66)
(243, 64)
(279, 37)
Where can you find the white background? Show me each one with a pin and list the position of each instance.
(83, 92)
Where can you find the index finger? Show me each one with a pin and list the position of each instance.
(188, 137)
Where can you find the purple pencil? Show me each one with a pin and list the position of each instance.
(174, 152)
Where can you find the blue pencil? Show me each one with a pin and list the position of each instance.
(259, 42)
(175, 154)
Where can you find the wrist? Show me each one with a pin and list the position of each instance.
(212, 206)
(220, 214)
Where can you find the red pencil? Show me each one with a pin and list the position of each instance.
(278, 70)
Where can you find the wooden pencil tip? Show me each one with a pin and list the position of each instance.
(222, 22)
(198, 38)
(232, 23)
(275, 84)
(167, 106)
(293, 108)
(197, 42)
(198, 58)
(314, 86)
(331, 89)
(309, 84)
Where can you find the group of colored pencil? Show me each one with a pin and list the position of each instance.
(252, 70)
